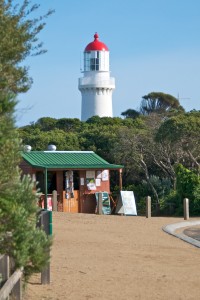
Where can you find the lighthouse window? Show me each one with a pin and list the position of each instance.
(97, 63)
(87, 56)
(94, 64)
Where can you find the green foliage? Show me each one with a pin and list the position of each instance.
(45, 124)
(157, 102)
(148, 146)
(196, 193)
(130, 113)
(187, 181)
(188, 186)
(19, 237)
(162, 186)
(181, 127)
(69, 125)
(39, 140)
(19, 39)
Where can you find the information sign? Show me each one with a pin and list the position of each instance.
(126, 203)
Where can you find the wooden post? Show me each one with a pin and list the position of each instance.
(54, 201)
(45, 275)
(148, 207)
(100, 200)
(46, 222)
(17, 290)
(186, 208)
(4, 268)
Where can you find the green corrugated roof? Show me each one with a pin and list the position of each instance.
(67, 160)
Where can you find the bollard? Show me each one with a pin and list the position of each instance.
(186, 208)
(46, 221)
(50, 223)
(148, 207)
(45, 275)
(100, 200)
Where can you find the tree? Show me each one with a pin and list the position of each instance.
(69, 125)
(182, 132)
(132, 148)
(39, 140)
(130, 113)
(19, 39)
(45, 123)
(188, 186)
(157, 102)
(20, 239)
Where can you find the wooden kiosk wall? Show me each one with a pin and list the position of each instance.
(84, 200)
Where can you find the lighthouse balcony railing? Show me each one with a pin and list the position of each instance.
(90, 82)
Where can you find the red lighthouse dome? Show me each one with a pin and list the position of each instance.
(96, 45)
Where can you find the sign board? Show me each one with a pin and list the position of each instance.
(126, 204)
(49, 203)
(106, 210)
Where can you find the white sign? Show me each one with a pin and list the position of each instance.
(98, 182)
(104, 175)
(126, 204)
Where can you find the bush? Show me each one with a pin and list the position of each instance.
(188, 186)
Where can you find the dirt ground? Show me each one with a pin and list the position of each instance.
(117, 257)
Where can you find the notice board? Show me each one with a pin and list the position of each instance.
(106, 209)
(126, 203)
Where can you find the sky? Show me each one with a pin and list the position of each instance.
(154, 47)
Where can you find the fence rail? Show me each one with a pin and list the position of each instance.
(10, 284)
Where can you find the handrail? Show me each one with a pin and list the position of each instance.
(10, 284)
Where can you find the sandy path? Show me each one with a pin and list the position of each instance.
(115, 257)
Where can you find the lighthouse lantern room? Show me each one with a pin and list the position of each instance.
(96, 85)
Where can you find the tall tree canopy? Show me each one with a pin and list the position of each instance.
(157, 102)
(19, 39)
(182, 132)
(130, 113)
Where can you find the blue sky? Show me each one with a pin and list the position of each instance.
(154, 46)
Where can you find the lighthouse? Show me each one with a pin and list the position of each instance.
(96, 85)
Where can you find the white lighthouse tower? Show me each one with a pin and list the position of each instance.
(96, 85)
